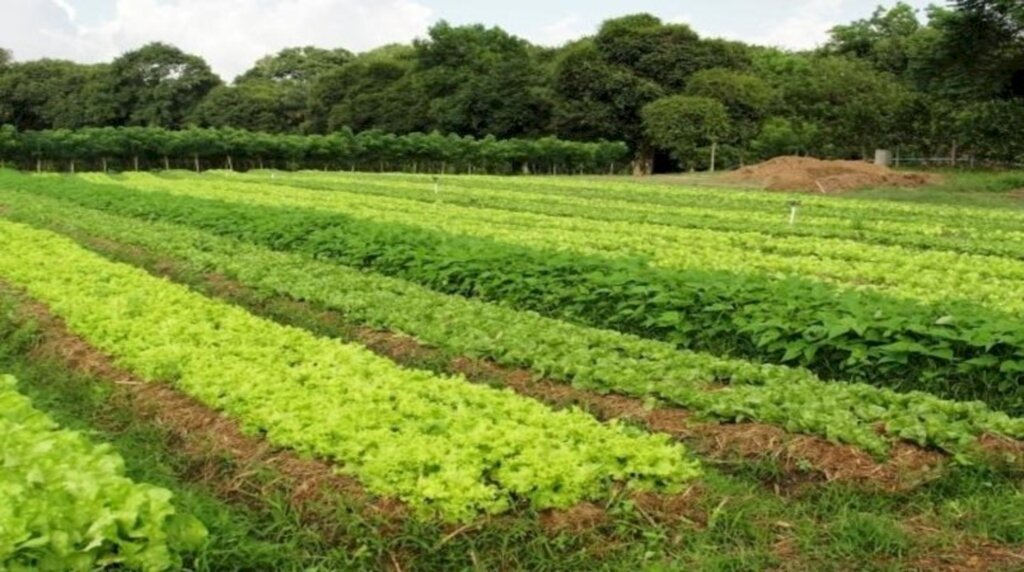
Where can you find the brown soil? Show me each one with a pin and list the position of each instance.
(976, 556)
(799, 458)
(580, 518)
(1000, 451)
(967, 552)
(815, 175)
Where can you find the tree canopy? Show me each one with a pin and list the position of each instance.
(944, 82)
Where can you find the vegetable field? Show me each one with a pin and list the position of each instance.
(353, 371)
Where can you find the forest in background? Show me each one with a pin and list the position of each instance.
(948, 83)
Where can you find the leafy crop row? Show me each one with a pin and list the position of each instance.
(954, 228)
(443, 445)
(955, 350)
(929, 275)
(596, 359)
(66, 505)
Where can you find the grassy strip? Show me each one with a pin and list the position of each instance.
(956, 350)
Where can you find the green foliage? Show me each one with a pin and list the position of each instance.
(158, 85)
(991, 130)
(604, 83)
(881, 39)
(850, 105)
(480, 82)
(685, 123)
(598, 99)
(376, 90)
(46, 94)
(747, 97)
(446, 447)
(603, 360)
(928, 253)
(782, 136)
(261, 106)
(296, 65)
(66, 504)
(891, 79)
(953, 348)
(197, 148)
(979, 50)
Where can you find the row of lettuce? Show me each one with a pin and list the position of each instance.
(650, 196)
(929, 275)
(66, 504)
(600, 359)
(957, 229)
(444, 446)
(954, 349)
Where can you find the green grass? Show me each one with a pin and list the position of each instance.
(958, 188)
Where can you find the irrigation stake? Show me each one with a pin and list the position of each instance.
(437, 184)
(793, 206)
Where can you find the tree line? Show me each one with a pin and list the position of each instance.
(196, 148)
(948, 83)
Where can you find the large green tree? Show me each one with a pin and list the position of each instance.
(375, 90)
(45, 94)
(159, 85)
(852, 106)
(603, 83)
(273, 95)
(980, 51)
(884, 39)
(301, 65)
(256, 105)
(746, 97)
(480, 81)
(684, 124)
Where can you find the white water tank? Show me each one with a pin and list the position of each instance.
(883, 157)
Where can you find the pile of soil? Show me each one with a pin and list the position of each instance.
(815, 175)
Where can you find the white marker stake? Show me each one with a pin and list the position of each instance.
(793, 205)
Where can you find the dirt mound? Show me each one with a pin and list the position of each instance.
(816, 175)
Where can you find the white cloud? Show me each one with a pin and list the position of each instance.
(681, 18)
(68, 9)
(807, 28)
(229, 34)
(557, 33)
(30, 28)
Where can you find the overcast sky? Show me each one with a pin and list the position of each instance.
(231, 34)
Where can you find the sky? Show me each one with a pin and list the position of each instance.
(232, 34)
